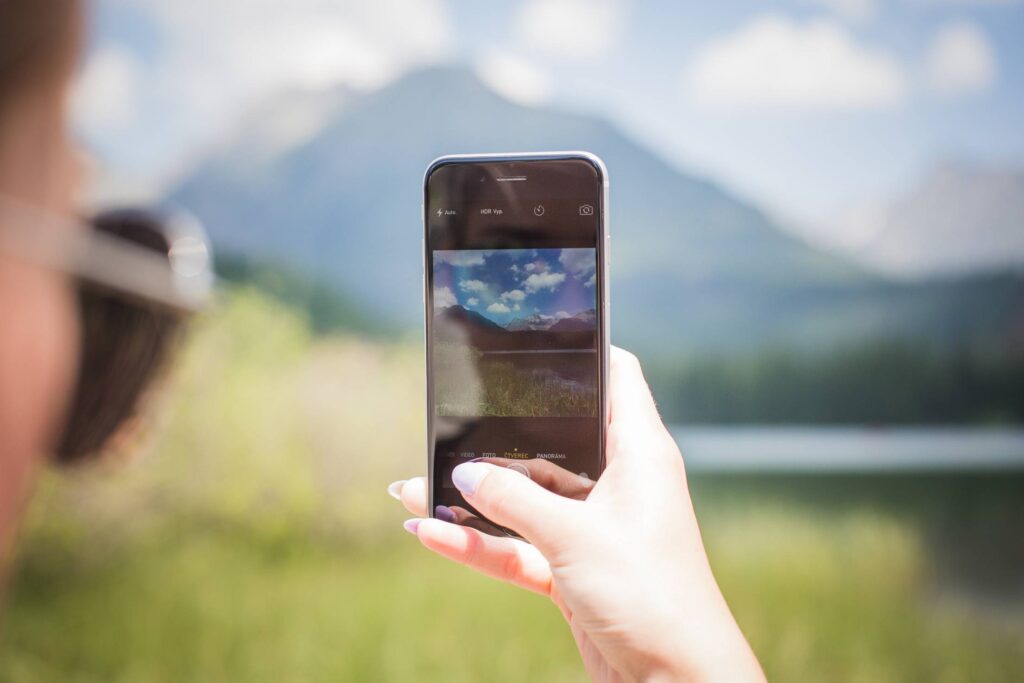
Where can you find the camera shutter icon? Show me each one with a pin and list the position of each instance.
(586, 210)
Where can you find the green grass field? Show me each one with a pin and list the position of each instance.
(251, 540)
(470, 385)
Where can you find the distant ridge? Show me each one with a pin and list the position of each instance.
(694, 269)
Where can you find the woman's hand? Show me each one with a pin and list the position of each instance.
(626, 565)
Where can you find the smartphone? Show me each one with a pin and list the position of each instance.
(516, 303)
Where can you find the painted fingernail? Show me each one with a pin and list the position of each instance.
(521, 469)
(444, 513)
(467, 476)
(395, 489)
(411, 525)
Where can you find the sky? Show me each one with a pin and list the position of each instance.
(806, 107)
(509, 284)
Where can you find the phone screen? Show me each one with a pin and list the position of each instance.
(515, 324)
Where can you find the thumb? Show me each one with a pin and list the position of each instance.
(513, 500)
(630, 400)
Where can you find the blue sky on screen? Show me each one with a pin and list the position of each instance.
(805, 106)
(508, 284)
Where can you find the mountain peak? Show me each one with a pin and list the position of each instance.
(343, 205)
(961, 217)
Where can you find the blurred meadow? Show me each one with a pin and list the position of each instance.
(250, 538)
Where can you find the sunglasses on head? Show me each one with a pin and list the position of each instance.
(140, 275)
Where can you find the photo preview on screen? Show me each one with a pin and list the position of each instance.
(515, 333)
(516, 358)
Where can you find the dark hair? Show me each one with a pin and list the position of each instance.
(39, 42)
(125, 347)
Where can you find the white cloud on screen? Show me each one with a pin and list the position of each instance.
(530, 267)
(573, 29)
(476, 286)
(460, 259)
(515, 78)
(960, 60)
(444, 298)
(472, 301)
(579, 262)
(592, 281)
(773, 62)
(539, 281)
(498, 307)
(513, 295)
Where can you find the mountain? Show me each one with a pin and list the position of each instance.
(458, 318)
(961, 218)
(693, 268)
(584, 320)
(537, 321)
(460, 325)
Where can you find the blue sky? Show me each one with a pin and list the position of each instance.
(807, 107)
(507, 284)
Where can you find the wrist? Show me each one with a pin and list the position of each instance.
(713, 649)
(737, 667)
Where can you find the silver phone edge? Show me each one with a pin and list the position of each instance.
(604, 242)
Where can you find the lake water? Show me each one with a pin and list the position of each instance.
(849, 449)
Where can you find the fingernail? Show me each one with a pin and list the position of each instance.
(395, 489)
(467, 477)
(444, 513)
(411, 525)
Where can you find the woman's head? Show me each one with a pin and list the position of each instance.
(39, 43)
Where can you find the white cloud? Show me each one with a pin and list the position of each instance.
(576, 29)
(857, 11)
(579, 262)
(476, 286)
(539, 281)
(530, 267)
(592, 281)
(444, 298)
(513, 295)
(517, 79)
(472, 301)
(775, 63)
(460, 258)
(960, 60)
(498, 307)
(217, 58)
(106, 92)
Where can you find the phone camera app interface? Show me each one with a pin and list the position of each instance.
(515, 333)
(515, 360)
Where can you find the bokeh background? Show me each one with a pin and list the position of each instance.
(818, 228)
